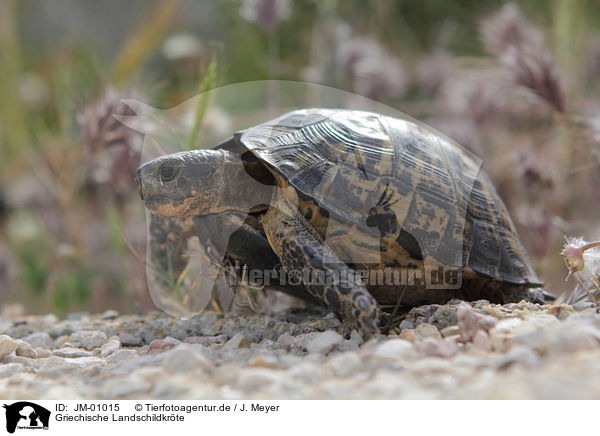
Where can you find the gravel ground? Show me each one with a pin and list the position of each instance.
(458, 350)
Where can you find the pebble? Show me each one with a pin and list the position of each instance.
(121, 355)
(163, 344)
(427, 331)
(7, 346)
(110, 346)
(344, 364)
(519, 355)
(184, 358)
(43, 352)
(24, 349)
(264, 360)
(306, 371)
(353, 343)
(254, 378)
(439, 347)
(71, 352)
(520, 350)
(56, 362)
(206, 340)
(323, 343)
(393, 348)
(452, 330)
(470, 321)
(24, 361)
(40, 340)
(238, 341)
(502, 333)
(88, 339)
(481, 341)
(129, 340)
(409, 335)
(9, 369)
(285, 339)
(444, 317)
(109, 314)
(125, 386)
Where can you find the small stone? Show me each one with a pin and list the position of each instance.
(26, 362)
(264, 360)
(265, 343)
(519, 355)
(439, 347)
(502, 333)
(444, 317)
(163, 344)
(24, 349)
(561, 311)
(454, 338)
(301, 341)
(7, 346)
(323, 343)
(125, 386)
(184, 358)
(50, 319)
(408, 335)
(406, 324)
(121, 355)
(88, 339)
(450, 331)
(285, 339)
(254, 378)
(469, 321)
(86, 362)
(353, 343)
(238, 341)
(43, 352)
(63, 340)
(110, 347)
(393, 348)
(558, 337)
(71, 352)
(167, 388)
(206, 340)
(40, 340)
(109, 314)
(129, 340)
(426, 330)
(55, 362)
(305, 371)
(344, 364)
(481, 341)
(8, 369)
(356, 337)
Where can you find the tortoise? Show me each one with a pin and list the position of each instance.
(346, 196)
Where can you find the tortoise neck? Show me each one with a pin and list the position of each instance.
(239, 190)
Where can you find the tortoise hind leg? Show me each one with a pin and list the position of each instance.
(303, 253)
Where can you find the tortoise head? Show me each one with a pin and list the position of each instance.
(202, 182)
(183, 184)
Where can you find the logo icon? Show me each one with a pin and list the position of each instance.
(26, 415)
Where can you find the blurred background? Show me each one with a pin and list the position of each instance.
(517, 83)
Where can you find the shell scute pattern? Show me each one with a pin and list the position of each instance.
(438, 202)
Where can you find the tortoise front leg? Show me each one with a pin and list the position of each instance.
(301, 251)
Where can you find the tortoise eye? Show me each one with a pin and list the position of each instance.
(168, 172)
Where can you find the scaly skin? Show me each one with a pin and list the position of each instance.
(300, 248)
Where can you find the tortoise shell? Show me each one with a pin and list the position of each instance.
(395, 179)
